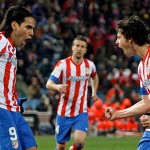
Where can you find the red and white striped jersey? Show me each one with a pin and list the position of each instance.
(144, 74)
(76, 77)
(8, 68)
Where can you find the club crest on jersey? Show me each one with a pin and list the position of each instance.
(147, 70)
(146, 83)
(55, 71)
(15, 144)
(87, 70)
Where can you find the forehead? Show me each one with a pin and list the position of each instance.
(79, 42)
(119, 33)
(29, 21)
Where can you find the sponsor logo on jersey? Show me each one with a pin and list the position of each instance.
(12, 60)
(78, 78)
(146, 83)
(87, 70)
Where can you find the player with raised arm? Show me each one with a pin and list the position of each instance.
(71, 77)
(15, 30)
(133, 38)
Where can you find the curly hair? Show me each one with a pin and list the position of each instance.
(134, 28)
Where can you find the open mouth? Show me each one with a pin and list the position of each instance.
(26, 40)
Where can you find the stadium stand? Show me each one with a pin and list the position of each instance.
(58, 22)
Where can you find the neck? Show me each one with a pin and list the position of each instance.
(142, 50)
(77, 60)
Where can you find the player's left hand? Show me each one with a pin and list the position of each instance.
(20, 102)
(95, 97)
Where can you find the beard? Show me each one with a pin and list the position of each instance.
(78, 57)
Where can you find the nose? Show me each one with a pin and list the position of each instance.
(116, 42)
(79, 48)
(31, 32)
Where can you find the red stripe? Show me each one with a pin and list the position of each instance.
(68, 73)
(59, 93)
(15, 95)
(76, 93)
(6, 83)
(85, 86)
(3, 50)
(82, 98)
(148, 75)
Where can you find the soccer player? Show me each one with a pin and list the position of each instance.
(15, 30)
(71, 77)
(132, 37)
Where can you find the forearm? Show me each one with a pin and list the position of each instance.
(94, 84)
(51, 85)
(138, 109)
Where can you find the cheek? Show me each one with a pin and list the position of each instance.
(122, 43)
(22, 33)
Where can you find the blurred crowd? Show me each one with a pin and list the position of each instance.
(58, 23)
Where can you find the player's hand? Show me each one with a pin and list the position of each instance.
(95, 97)
(62, 88)
(145, 121)
(20, 102)
(110, 113)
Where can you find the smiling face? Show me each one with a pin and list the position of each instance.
(125, 44)
(79, 48)
(23, 32)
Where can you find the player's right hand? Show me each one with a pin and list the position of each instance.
(62, 88)
(110, 113)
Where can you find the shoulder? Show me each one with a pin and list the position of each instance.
(60, 63)
(3, 43)
(2, 37)
(89, 61)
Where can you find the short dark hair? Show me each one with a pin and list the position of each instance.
(82, 38)
(134, 28)
(14, 13)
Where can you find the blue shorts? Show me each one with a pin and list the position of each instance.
(15, 133)
(145, 141)
(64, 126)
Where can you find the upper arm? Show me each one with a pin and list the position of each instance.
(93, 73)
(50, 84)
(145, 97)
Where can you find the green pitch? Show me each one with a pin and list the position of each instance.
(93, 143)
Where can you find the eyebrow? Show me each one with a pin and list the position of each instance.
(29, 26)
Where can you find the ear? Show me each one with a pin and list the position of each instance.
(131, 40)
(14, 25)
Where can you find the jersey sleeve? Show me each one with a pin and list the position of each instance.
(56, 73)
(143, 90)
(93, 74)
(3, 44)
